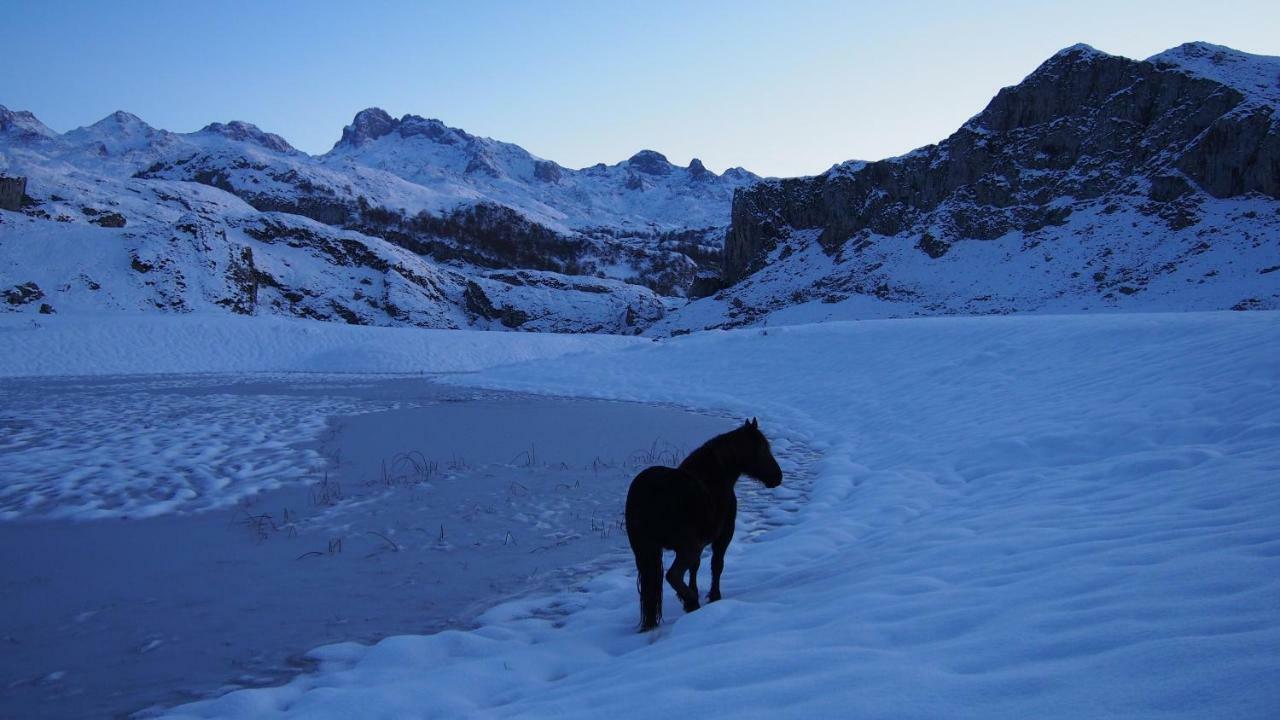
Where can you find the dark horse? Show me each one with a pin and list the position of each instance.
(689, 507)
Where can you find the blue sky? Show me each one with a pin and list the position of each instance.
(781, 88)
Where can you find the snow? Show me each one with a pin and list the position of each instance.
(149, 344)
(1037, 516)
(1257, 76)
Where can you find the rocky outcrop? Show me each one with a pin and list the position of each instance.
(1082, 126)
(248, 132)
(368, 125)
(23, 294)
(547, 171)
(11, 191)
(650, 162)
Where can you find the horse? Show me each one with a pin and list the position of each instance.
(689, 507)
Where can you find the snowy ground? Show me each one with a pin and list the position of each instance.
(1012, 517)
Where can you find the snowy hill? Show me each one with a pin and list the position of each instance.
(1098, 183)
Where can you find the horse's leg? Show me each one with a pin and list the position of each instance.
(718, 546)
(685, 557)
(693, 572)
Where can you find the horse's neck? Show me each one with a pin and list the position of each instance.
(715, 468)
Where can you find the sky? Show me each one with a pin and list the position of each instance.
(780, 88)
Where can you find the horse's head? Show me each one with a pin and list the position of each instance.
(756, 456)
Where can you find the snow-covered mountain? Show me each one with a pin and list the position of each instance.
(1097, 183)
(642, 193)
(234, 217)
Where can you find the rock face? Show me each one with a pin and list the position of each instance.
(11, 191)
(1083, 126)
(368, 125)
(1099, 183)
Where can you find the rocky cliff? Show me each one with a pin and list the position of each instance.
(1082, 126)
(1097, 183)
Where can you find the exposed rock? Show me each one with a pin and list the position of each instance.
(12, 190)
(431, 128)
(477, 302)
(368, 125)
(481, 163)
(105, 219)
(1169, 187)
(650, 162)
(547, 171)
(932, 246)
(27, 292)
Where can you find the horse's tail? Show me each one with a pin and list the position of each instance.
(640, 513)
(649, 583)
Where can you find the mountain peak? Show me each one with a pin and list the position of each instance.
(650, 162)
(122, 119)
(1080, 49)
(22, 123)
(368, 125)
(431, 128)
(698, 171)
(248, 132)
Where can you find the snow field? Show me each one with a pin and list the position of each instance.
(155, 343)
(1012, 517)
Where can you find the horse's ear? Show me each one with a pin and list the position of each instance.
(755, 424)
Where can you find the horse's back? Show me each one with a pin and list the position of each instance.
(665, 506)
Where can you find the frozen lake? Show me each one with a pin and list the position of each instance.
(168, 538)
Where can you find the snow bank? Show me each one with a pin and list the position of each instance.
(149, 344)
(1052, 517)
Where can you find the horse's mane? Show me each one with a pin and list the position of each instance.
(712, 458)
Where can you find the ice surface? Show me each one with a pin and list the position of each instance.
(430, 505)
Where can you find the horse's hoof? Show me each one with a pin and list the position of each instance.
(712, 597)
(691, 606)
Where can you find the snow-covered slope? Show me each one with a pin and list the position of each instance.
(1012, 517)
(122, 217)
(103, 245)
(1098, 183)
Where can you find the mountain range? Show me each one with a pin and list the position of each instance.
(1097, 183)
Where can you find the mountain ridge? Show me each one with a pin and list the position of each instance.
(1117, 174)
